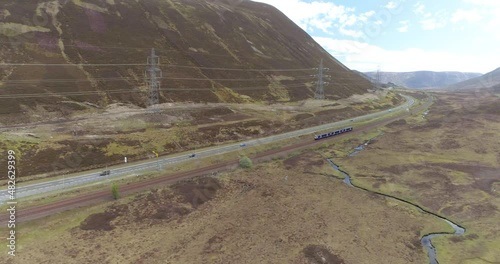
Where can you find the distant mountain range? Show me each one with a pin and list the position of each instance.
(421, 79)
(488, 80)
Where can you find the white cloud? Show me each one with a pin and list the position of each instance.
(322, 24)
(391, 5)
(429, 20)
(484, 2)
(419, 8)
(459, 15)
(364, 16)
(432, 23)
(325, 16)
(466, 15)
(492, 26)
(348, 20)
(365, 57)
(350, 32)
(403, 26)
(487, 11)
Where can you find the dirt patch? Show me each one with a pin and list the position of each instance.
(235, 117)
(331, 105)
(198, 192)
(379, 182)
(321, 255)
(156, 206)
(305, 161)
(334, 112)
(214, 244)
(449, 143)
(300, 117)
(102, 221)
(397, 123)
(431, 124)
(211, 115)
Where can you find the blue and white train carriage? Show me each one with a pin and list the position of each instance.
(334, 133)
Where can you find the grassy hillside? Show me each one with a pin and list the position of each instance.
(486, 81)
(191, 38)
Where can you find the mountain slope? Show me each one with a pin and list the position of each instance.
(487, 80)
(191, 37)
(422, 79)
(363, 75)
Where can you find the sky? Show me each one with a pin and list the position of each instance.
(403, 35)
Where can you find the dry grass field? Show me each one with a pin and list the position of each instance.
(91, 140)
(282, 211)
(447, 161)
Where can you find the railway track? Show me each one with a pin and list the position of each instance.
(41, 211)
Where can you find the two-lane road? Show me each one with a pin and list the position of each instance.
(71, 182)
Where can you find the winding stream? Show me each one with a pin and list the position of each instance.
(425, 240)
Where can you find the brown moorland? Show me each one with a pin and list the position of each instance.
(284, 211)
(449, 162)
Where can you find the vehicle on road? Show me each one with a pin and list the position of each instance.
(243, 145)
(192, 155)
(334, 133)
(104, 173)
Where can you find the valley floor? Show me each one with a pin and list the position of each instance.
(282, 211)
(448, 162)
(295, 210)
(91, 140)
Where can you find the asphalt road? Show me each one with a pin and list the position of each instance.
(136, 169)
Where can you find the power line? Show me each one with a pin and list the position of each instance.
(239, 69)
(124, 91)
(142, 64)
(17, 81)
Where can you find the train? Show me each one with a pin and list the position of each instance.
(333, 133)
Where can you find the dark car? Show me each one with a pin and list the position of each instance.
(192, 155)
(104, 173)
